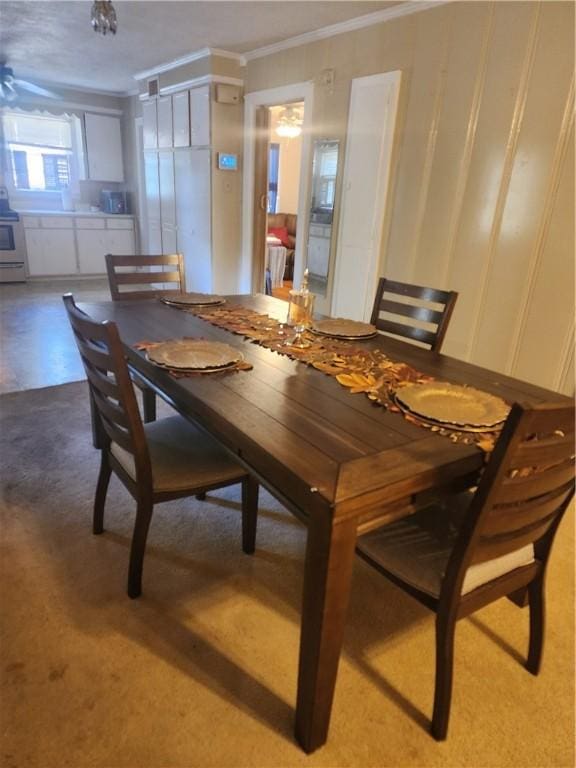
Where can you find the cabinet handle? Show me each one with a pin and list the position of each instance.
(264, 202)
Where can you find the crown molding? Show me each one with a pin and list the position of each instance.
(359, 22)
(203, 53)
(194, 83)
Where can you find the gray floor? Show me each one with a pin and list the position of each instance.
(36, 345)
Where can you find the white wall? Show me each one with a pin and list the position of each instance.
(289, 166)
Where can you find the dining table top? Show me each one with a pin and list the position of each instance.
(291, 422)
(339, 462)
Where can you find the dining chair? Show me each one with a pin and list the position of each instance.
(477, 547)
(426, 305)
(160, 461)
(140, 276)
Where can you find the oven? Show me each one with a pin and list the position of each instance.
(12, 249)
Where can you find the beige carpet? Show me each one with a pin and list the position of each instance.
(201, 670)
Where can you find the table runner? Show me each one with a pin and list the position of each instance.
(354, 366)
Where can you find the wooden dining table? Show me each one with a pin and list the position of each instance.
(339, 463)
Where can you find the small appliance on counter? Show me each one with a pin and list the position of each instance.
(12, 247)
(113, 202)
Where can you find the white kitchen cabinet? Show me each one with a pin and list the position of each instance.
(164, 109)
(181, 119)
(154, 238)
(169, 240)
(150, 124)
(93, 245)
(104, 147)
(51, 252)
(192, 189)
(200, 116)
(166, 184)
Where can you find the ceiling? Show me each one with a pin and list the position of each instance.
(52, 42)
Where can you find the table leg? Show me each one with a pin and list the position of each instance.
(327, 578)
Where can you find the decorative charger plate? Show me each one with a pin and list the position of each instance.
(194, 355)
(193, 299)
(453, 404)
(342, 328)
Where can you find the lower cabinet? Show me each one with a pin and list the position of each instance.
(51, 252)
(94, 244)
(77, 246)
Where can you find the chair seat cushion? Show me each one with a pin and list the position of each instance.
(182, 457)
(416, 549)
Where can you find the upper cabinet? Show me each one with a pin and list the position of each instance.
(103, 147)
(150, 124)
(165, 122)
(181, 119)
(200, 116)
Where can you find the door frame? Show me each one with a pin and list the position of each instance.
(392, 81)
(303, 92)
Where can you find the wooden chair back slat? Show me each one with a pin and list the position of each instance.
(504, 518)
(117, 266)
(497, 546)
(541, 452)
(406, 331)
(518, 489)
(424, 314)
(518, 504)
(138, 278)
(113, 413)
(110, 385)
(438, 315)
(105, 384)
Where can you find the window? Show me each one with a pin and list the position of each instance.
(273, 164)
(40, 151)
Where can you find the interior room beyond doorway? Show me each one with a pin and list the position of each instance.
(284, 159)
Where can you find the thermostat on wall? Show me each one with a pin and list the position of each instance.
(227, 162)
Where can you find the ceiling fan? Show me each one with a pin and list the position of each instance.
(10, 86)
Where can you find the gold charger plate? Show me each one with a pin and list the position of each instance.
(342, 328)
(453, 404)
(193, 299)
(194, 355)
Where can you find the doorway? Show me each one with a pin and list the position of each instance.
(260, 107)
(283, 186)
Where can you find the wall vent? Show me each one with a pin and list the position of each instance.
(153, 87)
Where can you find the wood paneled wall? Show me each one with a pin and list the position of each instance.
(482, 190)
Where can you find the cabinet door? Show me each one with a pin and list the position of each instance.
(34, 251)
(169, 242)
(181, 119)
(200, 116)
(51, 252)
(152, 185)
(91, 251)
(167, 201)
(150, 124)
(154, 238)
(192, 183)
(119, 241)
(165, 121)
(104, 148)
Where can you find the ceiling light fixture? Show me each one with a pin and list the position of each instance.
(289, 123)
(103, 17)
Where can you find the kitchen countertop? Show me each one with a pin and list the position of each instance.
(92, 214)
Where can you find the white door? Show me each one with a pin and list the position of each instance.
(372, 116)
(192, 184)
(167, 198)
(181, 119)
(165, 121)
(152, 186)
(200, 116)
(150, 121)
